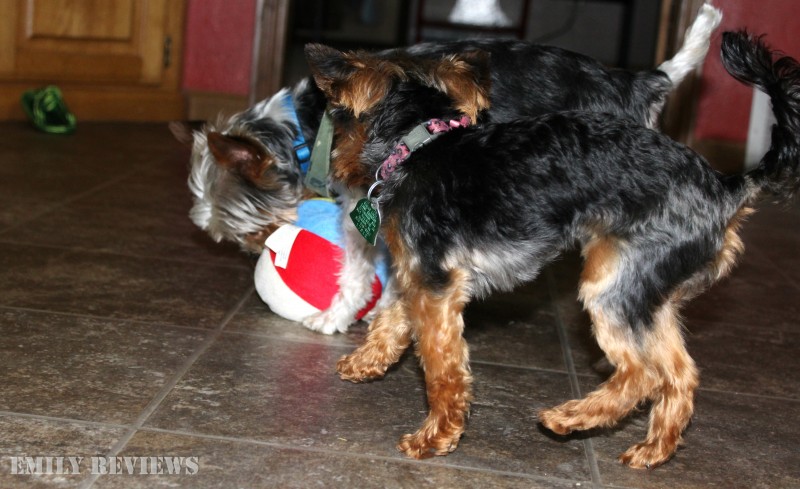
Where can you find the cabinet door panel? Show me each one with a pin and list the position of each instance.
(81, 19)
(79, 40)
(107, 56)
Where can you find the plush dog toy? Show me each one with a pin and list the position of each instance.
(296, 275)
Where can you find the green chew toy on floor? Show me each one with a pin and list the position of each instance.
(48, 112)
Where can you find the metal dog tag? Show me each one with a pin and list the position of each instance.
(367, 219)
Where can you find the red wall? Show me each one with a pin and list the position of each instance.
(219, 46)
(723, 110)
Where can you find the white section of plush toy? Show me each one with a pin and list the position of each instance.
(276, 294)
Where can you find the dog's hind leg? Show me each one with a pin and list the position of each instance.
(615, 398)
(672, 367)
(630, 382)
(651, 364)
(437, 320)
(675, 379)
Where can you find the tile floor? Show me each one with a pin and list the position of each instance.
(124, 331)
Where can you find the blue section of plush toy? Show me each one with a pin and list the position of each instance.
(382, 263)
(323, 217)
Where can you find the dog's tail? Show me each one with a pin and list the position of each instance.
(748, 59)
(695, 45)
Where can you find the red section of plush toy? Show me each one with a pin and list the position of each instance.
(313, 269)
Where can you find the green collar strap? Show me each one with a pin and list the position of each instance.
(317, 176)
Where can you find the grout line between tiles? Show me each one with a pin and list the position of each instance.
(167, 388)
(747, 394)
(337, 453)
(594, 469)
(472, 361)
(523, 367)
(119, 320)
(566, 350)
(44, 417)
(69, 200)
(308, 341)
(243, 266)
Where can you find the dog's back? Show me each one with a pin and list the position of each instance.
(530, 188)
(550, 79)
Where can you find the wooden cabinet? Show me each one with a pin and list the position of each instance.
(112, 59)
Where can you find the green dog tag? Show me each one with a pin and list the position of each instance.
(367, 219)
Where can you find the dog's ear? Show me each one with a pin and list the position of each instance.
(239, 154)
(182, 132)
(465, 78)
(329, 67)
(355, 80)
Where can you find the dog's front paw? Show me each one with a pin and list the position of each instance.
(355, 368)
(438, 435)
(327, 322)
(561, 420)
(422, 445)
(648, 455)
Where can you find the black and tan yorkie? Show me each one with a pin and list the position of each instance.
(468, 208)
(247, 171)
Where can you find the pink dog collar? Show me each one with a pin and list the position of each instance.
(416, 138)
(366, 215)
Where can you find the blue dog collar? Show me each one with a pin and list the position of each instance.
(299, 145)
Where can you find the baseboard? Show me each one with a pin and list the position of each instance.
(102, 104)
(204, 106)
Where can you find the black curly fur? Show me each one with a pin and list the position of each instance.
(748, 59)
